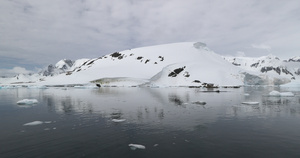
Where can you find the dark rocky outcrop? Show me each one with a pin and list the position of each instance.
(175, 72)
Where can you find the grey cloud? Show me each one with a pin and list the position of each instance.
(43, 32)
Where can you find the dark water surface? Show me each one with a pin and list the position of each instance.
(78, 123)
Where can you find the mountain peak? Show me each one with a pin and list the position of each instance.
(199, 45)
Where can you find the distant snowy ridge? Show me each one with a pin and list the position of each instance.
(62, 66)
(268, 70)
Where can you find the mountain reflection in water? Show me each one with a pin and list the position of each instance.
(79, 122)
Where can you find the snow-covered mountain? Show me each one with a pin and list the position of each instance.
(270, 69)
(62, 66)
(177, 64)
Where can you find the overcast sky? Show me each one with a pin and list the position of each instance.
(35, 33)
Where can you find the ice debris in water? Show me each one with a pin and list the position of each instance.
(250, 103)
(27, 101)
(37, 87)
(118, 120)
(199, 102)
(33, 123)
(283, 94)
(136, 146)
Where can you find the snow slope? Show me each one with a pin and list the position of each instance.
(179, 64)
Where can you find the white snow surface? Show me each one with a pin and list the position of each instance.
(27, 101)
(152, 65)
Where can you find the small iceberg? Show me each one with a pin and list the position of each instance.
(136, 146)
(34, 123)
(283, 94)
(27, 102)
(250, 103)
(118, 120)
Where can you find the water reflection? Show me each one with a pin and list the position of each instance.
(168, 117)
(156, 106)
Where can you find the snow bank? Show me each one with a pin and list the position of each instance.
(136, 146)
(27, 101)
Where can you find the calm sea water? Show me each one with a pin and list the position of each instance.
(78, 123)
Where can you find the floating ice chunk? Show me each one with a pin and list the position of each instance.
(250, 103)
(27, 101)
(34, 123)
(287, 94)
(283, 94)
(199, 102)
(274, 93)
(136, 146)
(47, 121)
(118, 120)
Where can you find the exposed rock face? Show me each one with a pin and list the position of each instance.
(176, 72)
(276, 69)
(60, 67)
(294, 59)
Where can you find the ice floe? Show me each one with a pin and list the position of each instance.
(283, 94)
(136, 146)
(27, 101)
(118, 120)
(250, 103)
(34, 123)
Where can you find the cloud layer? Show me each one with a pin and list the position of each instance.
(36, 33)
(14, 71)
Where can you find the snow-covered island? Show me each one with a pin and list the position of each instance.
(190, 64)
